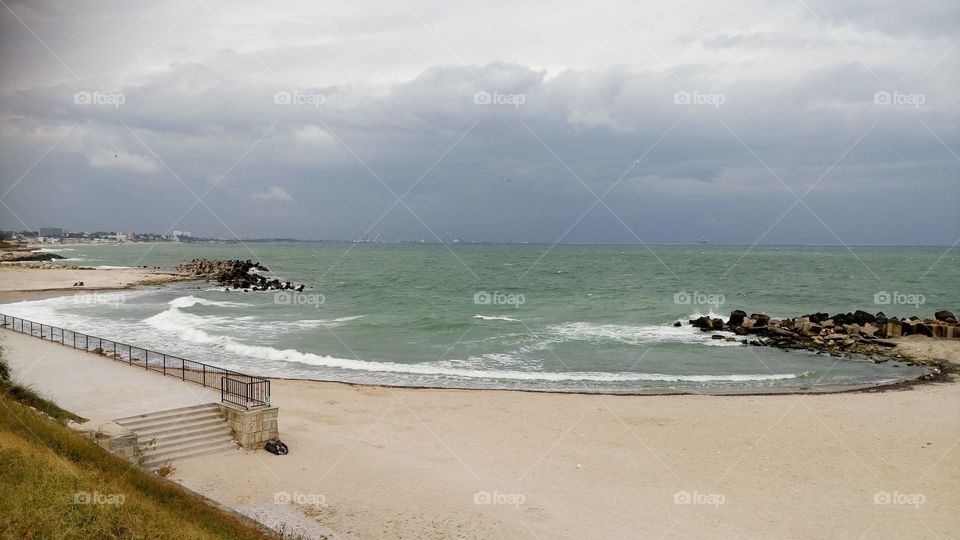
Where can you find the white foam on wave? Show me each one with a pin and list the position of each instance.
(711, 314)
(188, 327)
(51, 250)
(189, 301)
(175, 319)
(636, 335)
(108, 267)
(495, 318)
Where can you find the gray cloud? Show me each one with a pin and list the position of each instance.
(290, 144)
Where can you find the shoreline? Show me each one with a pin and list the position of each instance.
(19, 283)
(940, 370)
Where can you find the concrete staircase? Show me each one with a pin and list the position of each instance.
(180, 433)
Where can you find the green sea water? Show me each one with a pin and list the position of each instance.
(565, 318)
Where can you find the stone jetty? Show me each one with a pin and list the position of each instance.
(28, 256)
(858, 332)
(234, 274)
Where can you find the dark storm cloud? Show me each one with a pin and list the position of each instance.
(697, 144)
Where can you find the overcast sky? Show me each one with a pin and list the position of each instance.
(812, 121)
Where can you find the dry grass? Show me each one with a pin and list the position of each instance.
(166, 469)
(55, 483)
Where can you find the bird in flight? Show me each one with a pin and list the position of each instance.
(505, 179)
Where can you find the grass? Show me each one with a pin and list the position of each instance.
(56, 483)
(27, 396)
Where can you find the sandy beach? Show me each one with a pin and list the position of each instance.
(374, 462)
(24, 282)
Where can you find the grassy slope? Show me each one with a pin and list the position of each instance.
(43, 465)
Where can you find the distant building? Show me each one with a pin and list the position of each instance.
(53, 232)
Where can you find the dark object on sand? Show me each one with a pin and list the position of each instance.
(276, 447)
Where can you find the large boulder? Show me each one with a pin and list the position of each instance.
(946, 316)
(761, 319)
(702, 323)
(818, 318)
(736, 317)
(808, 329)
(862, 317)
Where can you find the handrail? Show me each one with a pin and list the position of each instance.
(239, 389)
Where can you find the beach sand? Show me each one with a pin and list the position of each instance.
(405, 463)
(29, 283)
(377, 462)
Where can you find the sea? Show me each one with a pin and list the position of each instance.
(566, 318)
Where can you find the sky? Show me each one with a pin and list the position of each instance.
(768, 121)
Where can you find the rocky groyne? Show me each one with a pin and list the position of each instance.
(859, 332)
(28, 256)
(234, 274)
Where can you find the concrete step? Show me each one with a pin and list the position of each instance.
(223, 448)
(149, 445)
(186, 433)
(175, 427)
(168, 412)
(172, 417)
(165, 436)
(197, 444)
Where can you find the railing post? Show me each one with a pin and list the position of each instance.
(183, 369)
(164, 357)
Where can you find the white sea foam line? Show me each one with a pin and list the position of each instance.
(167, 321)
(495, 318)
(188, 301)
(635, 335)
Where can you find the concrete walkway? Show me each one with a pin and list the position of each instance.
(92, 386)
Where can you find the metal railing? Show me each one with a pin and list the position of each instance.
(246, 391)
